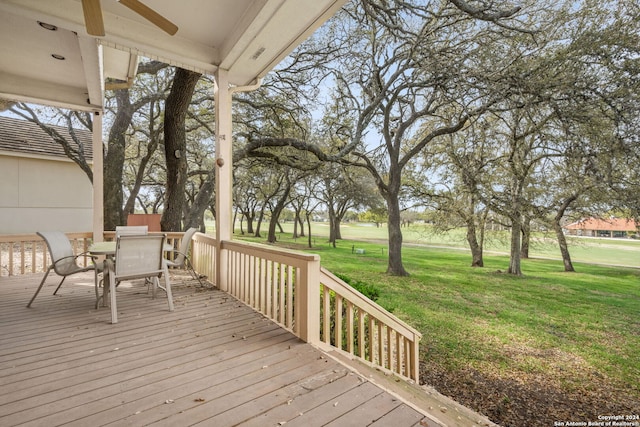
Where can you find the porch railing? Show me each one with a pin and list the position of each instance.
(293, 290)
(353, 323)
(203, 255)
(27, 253)
(277, 283)
(288, 287)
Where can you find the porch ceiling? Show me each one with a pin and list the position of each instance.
(246, 37)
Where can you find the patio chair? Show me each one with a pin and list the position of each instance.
(131, 230)
(182, 259)
(137, 257)
(63, 261)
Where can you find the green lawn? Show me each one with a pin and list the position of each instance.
(575, 332)
(590, 250)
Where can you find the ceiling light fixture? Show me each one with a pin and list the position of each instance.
(58, 57)
(46, 26)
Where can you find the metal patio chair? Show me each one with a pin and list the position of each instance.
(182, 259)
(63, 261)
(137, 257)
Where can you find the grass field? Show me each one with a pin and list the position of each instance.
(548, 341)
(590, 250)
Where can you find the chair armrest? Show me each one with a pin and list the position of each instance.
(75, 257)
(65, 257)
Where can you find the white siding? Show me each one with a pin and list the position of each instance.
(40, 194)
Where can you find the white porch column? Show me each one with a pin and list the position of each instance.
(224, 173)
(98, 179)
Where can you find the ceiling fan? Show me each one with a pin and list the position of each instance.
(95, 25)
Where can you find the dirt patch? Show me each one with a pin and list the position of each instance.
(534, 399)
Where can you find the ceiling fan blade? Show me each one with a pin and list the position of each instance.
(93, 17)
(151, 15)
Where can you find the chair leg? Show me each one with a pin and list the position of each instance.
(193, 272)
(56, 291)
(112, 295)
(98, 281)
(39, 287)
(153, 282)
(167, 286)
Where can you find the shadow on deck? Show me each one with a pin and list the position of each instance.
(212, 361)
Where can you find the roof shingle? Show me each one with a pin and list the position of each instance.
(22, 136)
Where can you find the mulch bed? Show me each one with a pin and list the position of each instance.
(532, 401)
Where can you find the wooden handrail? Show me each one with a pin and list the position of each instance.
(27, 253)
(354, 324)
(204, 254)
(351, 294)
(325, 310)
(267, 278)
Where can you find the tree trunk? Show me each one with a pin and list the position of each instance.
(114, 161)
(271, 234)
(295, 226)
(259, 224)
(336, 228)
(514, 261)
(476, 248)
(175, 147)
(526, 238)
(309, 228)
(277, 210)
(562, 240)
(249, 216)
(564, 248)
(332, 219)
(202, 201)
(241, 222)
(395, 266)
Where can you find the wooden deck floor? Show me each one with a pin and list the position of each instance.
(213, 361)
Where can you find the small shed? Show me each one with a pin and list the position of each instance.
(41, 188)
(152, 221)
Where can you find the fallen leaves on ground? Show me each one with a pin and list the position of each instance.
(535, 399)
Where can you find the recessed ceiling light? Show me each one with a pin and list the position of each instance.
(58, 57)
(47, 26)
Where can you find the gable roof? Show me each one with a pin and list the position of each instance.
(23, 137)
(610, 224)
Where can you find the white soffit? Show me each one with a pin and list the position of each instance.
(246, 37)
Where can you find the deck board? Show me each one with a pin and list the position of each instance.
(213, 361)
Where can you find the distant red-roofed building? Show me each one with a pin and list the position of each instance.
(597, 227)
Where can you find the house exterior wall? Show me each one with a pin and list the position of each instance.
(43, 194)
